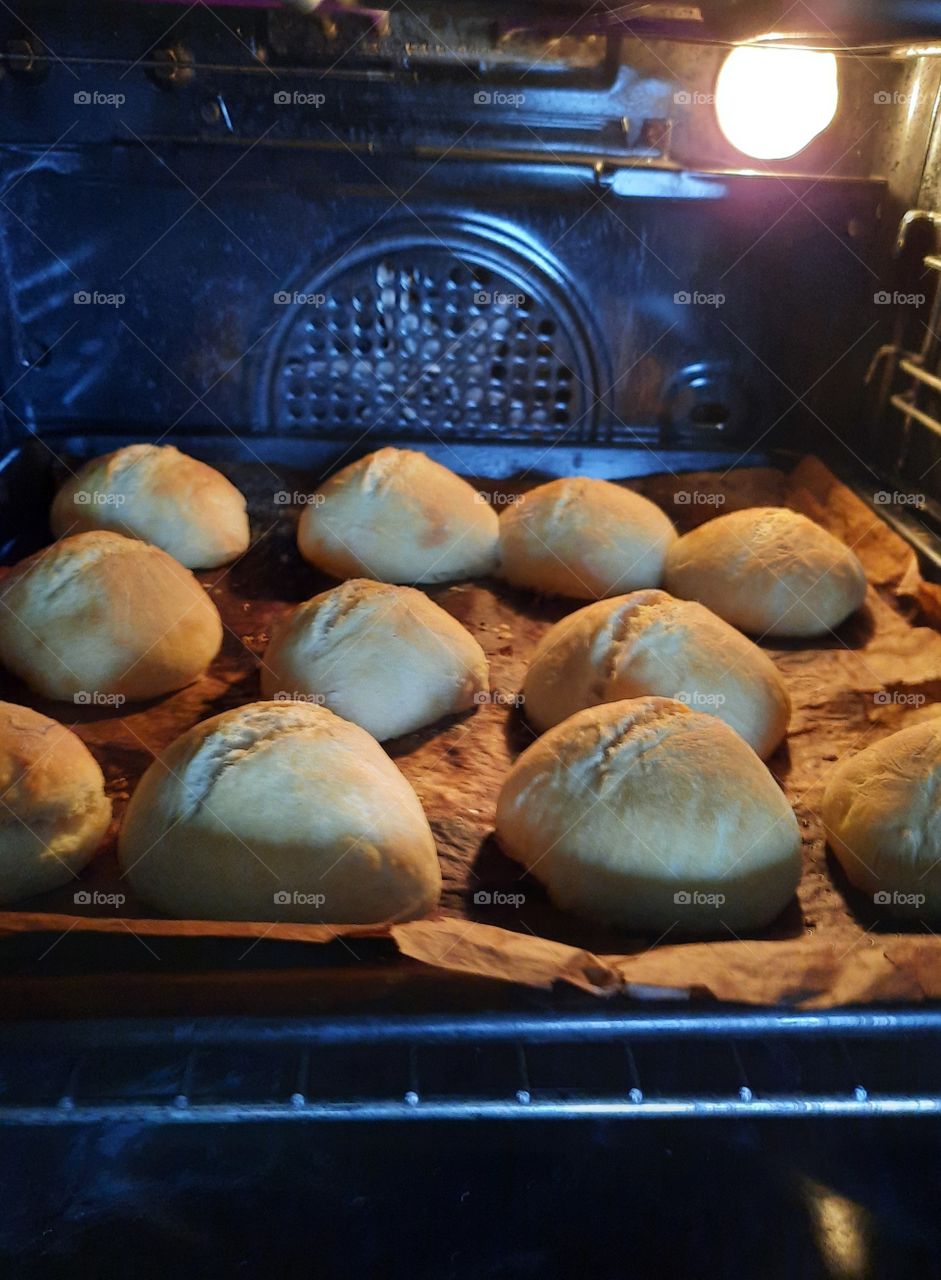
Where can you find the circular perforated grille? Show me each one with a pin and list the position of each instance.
(420, 342)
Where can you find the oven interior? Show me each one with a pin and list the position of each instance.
(519, 241)
(516, 238)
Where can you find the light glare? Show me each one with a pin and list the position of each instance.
(772, 102)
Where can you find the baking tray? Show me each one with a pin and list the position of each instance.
(881, 671)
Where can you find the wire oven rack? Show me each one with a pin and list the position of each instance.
(623, 1065)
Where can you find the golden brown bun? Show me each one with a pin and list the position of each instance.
(769, 571)
(101, 614)
(649, 643)
(583, 538)
(882, 814)
(53, 811)
(651, 816)
(385, 657)
(279, 811)
(396, 516)
(157, 494)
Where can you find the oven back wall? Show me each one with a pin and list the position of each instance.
(313, 293)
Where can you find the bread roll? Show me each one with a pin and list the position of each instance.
(648, 815)
(647, 642)
(155, 493)
(279, 811)
(882, 814)
(385, 657)
(53, 807)
(585, 539)
(396, 516)
(101, 614)
(768, 570)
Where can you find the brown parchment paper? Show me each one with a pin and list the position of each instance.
(880, 673)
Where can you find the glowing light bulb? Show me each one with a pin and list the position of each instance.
(772, 102)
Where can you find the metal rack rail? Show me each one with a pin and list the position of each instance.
(626, 1066)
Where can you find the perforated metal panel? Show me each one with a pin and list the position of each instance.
(421, 340)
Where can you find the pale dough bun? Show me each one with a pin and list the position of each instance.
(649, 643)
(640, 812)
(385, 657)
(155, 493)
(769, 571)
(53, 807)
(99, 613)
(584, 538)
(882, 814)
(279, 811)
(396, 516)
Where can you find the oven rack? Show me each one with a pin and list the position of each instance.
(625, 1065)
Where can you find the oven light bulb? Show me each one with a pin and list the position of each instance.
(772, 102)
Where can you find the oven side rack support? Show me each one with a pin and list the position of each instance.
(622, 1066)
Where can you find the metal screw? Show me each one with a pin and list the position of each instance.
(23, 59)
(654, 134)
(172, 66)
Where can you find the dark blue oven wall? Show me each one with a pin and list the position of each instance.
(456, 270)
(199, 312)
